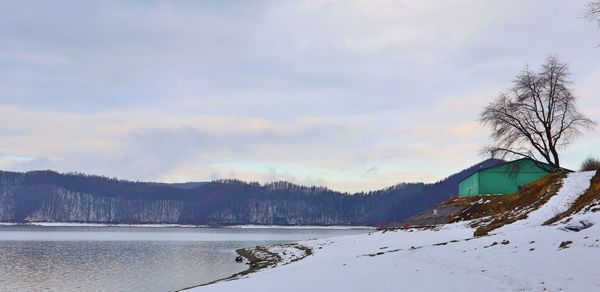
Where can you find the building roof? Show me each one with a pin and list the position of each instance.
(538, 163)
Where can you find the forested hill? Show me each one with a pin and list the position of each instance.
(50, 196)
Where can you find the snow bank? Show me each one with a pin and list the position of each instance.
(573, 186)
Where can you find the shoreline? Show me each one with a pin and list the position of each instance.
(263, 257)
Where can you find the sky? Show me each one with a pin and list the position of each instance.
(351, 95)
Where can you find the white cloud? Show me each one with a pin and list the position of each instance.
(354, 95)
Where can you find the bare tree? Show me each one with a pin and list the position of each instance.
(537, 117)
(592, 11)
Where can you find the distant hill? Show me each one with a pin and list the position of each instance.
(50, 196)
(185, 185)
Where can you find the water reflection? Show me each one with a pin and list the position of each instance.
(127, 259)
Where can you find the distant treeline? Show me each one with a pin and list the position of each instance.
(75, 197)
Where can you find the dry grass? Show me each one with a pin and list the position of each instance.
(590, 164)
(481, 231)
(587, 202)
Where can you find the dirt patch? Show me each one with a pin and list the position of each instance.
(442, 213)
(261, 257)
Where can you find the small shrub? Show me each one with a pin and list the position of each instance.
(590, 163)
(480, 231)
(452, 218)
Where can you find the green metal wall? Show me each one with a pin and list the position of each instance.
(502, 179)
(499, 183)
(469, 186)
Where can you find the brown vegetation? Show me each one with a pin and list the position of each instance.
(481, 231)
(590, 163)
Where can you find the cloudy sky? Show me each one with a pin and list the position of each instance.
(353, 95)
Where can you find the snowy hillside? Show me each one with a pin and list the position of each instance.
(524, 255)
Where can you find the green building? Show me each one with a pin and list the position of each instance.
(504, 178)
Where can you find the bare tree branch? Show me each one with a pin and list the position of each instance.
(537, 116)
(592, 11)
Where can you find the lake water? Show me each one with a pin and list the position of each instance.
(42, 258)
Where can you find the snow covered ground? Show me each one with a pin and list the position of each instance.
(521, 256)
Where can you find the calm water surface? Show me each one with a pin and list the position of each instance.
(36, 258)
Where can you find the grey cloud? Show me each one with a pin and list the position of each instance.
(280, 61)
(181, 143)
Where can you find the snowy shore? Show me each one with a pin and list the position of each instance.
(523, 255)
